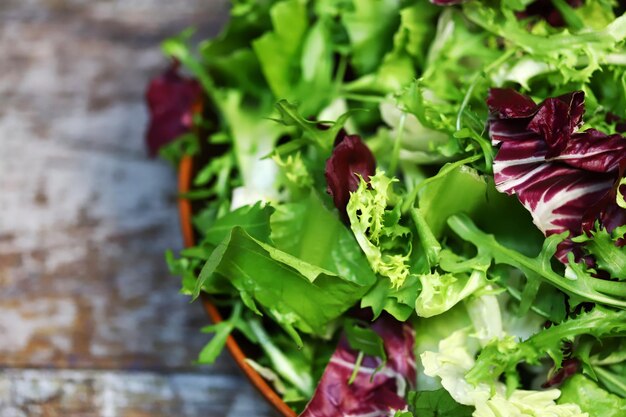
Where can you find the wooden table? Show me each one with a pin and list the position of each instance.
(90, 320)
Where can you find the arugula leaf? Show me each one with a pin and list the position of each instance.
(603, 246)
(429, 243)
(583, 285)
(365, 339)
(502, 356)
(575, 55)
(612, 378)
(323, 137)
(221, 332)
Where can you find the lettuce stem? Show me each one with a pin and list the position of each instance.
(395, 156)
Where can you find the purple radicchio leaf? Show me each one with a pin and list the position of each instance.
(350, 159)
(566, 179)
(545, 10)
(172, 102)
(568, 368)
(379, 395)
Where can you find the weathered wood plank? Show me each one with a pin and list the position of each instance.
(37, 393)
(84, 215)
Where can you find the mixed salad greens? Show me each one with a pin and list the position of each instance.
(412, 208)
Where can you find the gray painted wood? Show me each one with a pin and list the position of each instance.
(35, 393)
(90, 320)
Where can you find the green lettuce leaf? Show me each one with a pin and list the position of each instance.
(459, 190)
(440, 292)
(255, 220)
(278, 50)
(232, 48)
(253, 136)
(397, 301)
(371, 26)
(308, 231)
(291, 291)
(591, 398)
(400, 66)
(436, 403)
(296, 58)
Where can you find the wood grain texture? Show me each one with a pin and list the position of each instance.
(85, 217)
(71, 393)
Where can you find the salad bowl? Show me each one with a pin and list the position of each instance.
(420, 209)
(185, 210)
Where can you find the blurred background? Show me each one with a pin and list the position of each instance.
(91, 323)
